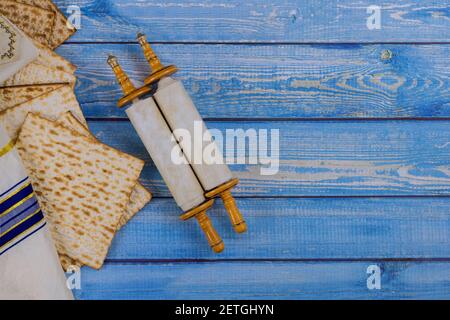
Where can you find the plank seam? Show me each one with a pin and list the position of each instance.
(331, 260)
(255, 43)
(113, 119)
(401, 196)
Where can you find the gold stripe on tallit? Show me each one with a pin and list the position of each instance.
(7, 148)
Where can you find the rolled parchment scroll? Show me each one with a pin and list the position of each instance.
(181, 113)
(159, 142)
(166, 154)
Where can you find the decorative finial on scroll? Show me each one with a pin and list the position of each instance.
(122, 78)
(129, 90)
(149, 54)
(159, 71)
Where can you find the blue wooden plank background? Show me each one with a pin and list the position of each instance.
(267, 280)
(281, 81)
(286, 21)
(364, 122)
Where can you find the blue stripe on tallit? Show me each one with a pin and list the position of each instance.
(13, 187)
(20, 229)
(3, 250)
(18, 214)
(5, 205)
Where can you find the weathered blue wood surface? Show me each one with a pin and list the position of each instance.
(262, 21)
(267, 280)
(281, 81)
(364, 146)
(326, 158)
(318, 228)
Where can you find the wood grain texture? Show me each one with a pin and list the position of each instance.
(279, 81)
(266, 280)
(325, 158)
(317, 228)
(350, 191)
(261, 21)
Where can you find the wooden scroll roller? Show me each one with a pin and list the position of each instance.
(160, 143)
(181, 113)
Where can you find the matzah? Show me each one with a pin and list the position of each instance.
(62, 29)
(13, 96)
(35, 73)
(49, 58)
(50, 105)
(67, 262)
(82, 185)
(36, 22)
(139, 197)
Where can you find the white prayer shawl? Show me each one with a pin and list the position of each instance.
(16, 50)
(29, 264)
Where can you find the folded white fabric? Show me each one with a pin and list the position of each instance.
(16, 50)
(29, 264)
